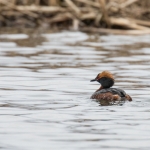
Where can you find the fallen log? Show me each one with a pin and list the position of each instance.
(126, 23)
(114, 31)
(140, 22)
(49, 9)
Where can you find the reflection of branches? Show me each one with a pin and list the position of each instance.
(109, 102)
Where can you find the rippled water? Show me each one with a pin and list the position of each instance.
(45, 90)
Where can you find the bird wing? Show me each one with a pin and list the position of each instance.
(105, 96)
(111, 94)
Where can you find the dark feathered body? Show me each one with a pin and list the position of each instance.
(111, 94)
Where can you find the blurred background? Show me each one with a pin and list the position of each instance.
(76, 14)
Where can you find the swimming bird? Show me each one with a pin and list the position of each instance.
(105, 92)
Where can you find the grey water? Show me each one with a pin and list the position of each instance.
(45, 92)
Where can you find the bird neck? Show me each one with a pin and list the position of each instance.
(106, 82)
(99, 89)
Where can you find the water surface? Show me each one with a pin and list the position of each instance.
(45, 90)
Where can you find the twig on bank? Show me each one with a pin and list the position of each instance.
(60, 18)
(73, 7)
(140, 22)
(104, 11)
(11, 6)
(52, 2)
(114, 31)
(127, 3)
(75, 24)
(51, 9)
(37, 2)
(90, 15)
(126, 23)
(90, 3)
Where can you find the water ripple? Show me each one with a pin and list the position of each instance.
(45, 90)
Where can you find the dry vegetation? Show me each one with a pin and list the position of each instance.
(107, 16)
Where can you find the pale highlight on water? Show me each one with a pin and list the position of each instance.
(45, 92)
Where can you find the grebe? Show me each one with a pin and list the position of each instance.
(105, 92)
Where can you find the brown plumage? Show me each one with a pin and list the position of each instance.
(105, 92)
(105, 74)
(128, 97)
(106, 96)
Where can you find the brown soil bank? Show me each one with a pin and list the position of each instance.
(107, 16)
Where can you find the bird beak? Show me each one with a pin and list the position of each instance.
(93, 80)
